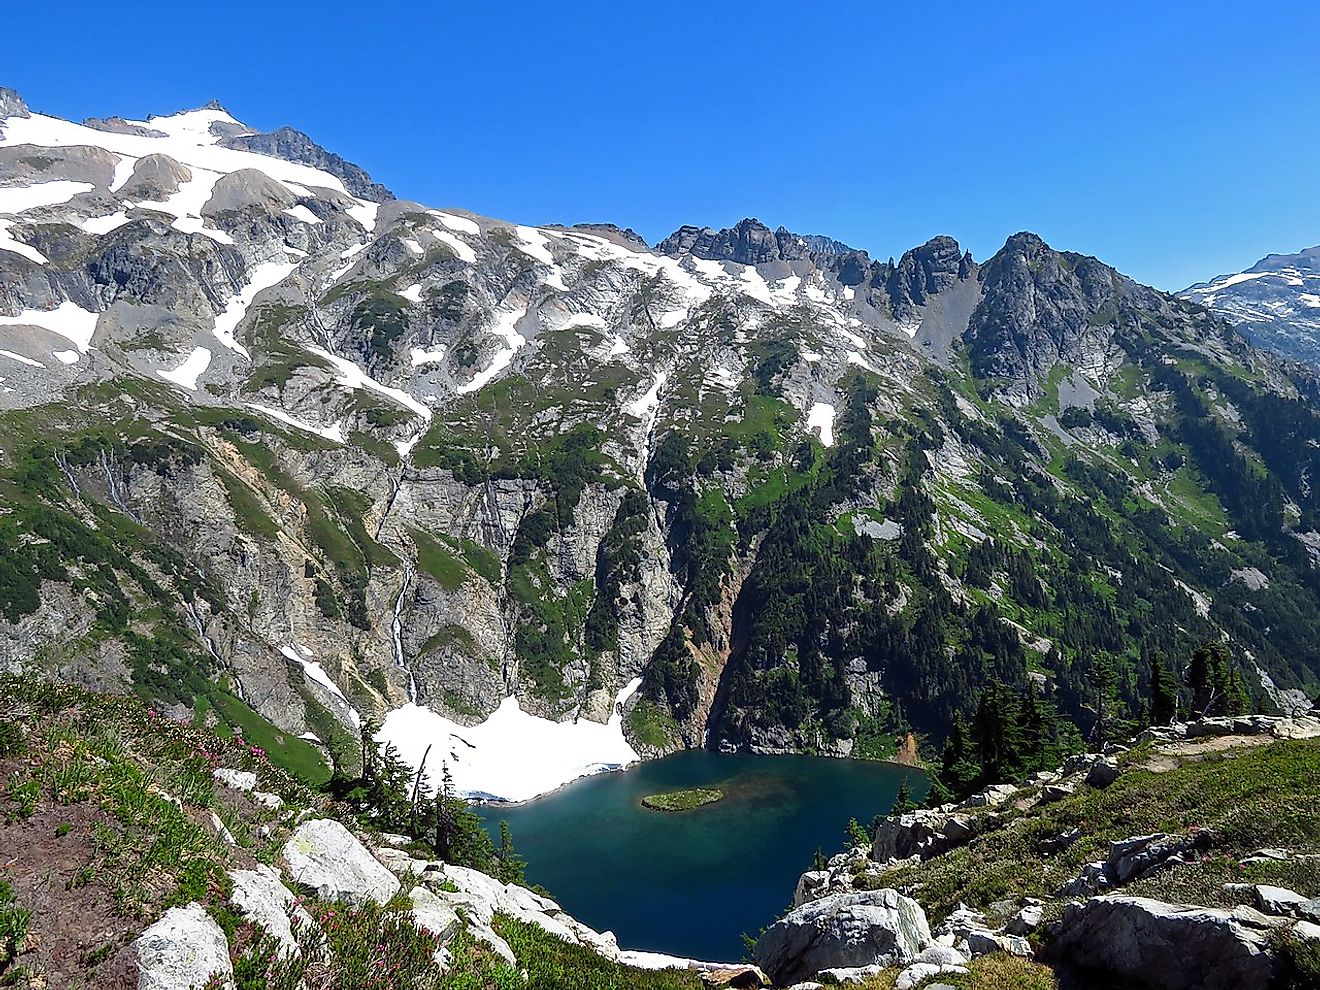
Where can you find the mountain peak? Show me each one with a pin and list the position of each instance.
(12, 103)
(748, 242)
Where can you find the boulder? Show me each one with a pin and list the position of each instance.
(1027, 920)
(326, 857)
(1135, 858)
(261, 897)
(1103, 772)
(917, 972)
(1279, 900)
(941, 955)
(1173, 946)
(1051, 793)
(432, 914)
(1059, 842)
(991, 796)
(866, 928)
(925, 833)
(811, 886)
(983, 942)
(239, 780)
(184, 950)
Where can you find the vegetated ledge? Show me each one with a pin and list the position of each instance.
(684, 800)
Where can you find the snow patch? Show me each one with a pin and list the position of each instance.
(68, 320)
(66, 357)
(105, 224)
(505, 323)
(335, 434)
(533, 243)
(21, 359)
(302, 213)
(464, 252)
(316, 672)
(642, 407)
(263, 277)
(353, 377)
(413, 293)
(821, 417)
(461, 224)
(17, 199)
(186, 374)
(8, 242)
(511, 756)
(421, 355)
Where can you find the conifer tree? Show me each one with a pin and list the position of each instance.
(903, 800)
(1163, 694)
(512, 867)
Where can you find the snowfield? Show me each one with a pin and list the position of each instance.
(511, 756)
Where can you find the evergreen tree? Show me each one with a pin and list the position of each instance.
(512, 867)
(903, 801)
(1163, 694)
(854, 835)
(1216, 685)
(445, 832)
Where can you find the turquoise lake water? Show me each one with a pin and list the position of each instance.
(692, 883)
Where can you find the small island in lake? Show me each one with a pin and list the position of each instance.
(685, 800)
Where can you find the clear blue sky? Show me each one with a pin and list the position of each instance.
(1173, 140)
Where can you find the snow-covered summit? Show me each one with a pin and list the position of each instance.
(1276, 301)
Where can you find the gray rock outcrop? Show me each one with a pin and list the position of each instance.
(866, 928)
(184, 950)
(1172, 946)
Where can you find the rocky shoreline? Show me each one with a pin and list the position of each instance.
(846, 927)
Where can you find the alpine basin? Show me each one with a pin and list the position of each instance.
(692, 883)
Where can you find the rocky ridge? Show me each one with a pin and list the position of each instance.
(363, 457)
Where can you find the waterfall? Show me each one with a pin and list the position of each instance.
(396, 634)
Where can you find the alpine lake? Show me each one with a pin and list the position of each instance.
(692, 883)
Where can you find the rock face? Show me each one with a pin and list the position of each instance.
(183, 951)
(748, 242)
(295, 146)
(326, 857)
(11, 104)
(1167, 945)
(843, 931)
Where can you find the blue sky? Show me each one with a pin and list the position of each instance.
(1173, 140)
